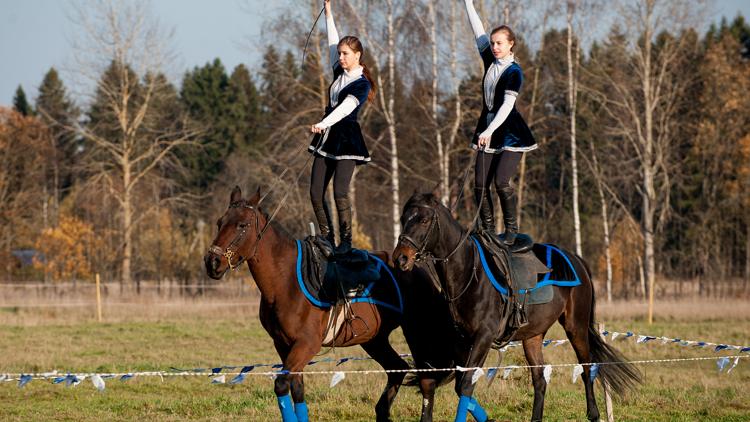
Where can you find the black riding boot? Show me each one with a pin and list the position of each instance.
(344, 208)
(508, 205)
(325, 225)
(486, 221)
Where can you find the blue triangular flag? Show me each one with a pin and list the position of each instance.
(594, 371)
(277, 366)
(25, 379)
(239, 378)
(491, 374)
(216, 370)
(546, 343)
(745, 349)
(58, 380)
(247, 369)
(126, 377)
(342, 360)
(721, 347)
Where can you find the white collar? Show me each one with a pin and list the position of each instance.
(354, 73)
(506, 60)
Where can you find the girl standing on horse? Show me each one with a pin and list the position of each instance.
(338, 144)
(501, 136)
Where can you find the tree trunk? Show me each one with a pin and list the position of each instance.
(572, 98)
(391, 121)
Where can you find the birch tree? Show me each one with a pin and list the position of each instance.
(124, 48)
(645, 117)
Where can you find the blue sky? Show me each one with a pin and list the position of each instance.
(36, 35)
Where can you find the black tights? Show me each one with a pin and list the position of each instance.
(500, 167)
(341, 171)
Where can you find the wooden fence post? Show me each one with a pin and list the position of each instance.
(98, 300)
(607, 396)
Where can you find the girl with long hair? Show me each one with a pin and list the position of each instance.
(338, 144)
(501, 136)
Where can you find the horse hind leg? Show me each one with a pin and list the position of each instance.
(381, 351)
(532, 348)
(577, 332)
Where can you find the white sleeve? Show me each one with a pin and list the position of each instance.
(508, 101)
(342, 110)
(333, 40)
(483, 41)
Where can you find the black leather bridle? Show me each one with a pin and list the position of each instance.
(231, 250)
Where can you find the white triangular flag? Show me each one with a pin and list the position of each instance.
(3, 377)
(221, 379)
(736, 360)
(506, 372)
(615, 334)
(336, 378)
(98, 382)
(477, 374)
(547, 373)
(577, 371)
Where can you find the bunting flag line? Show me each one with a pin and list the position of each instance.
(98, 379)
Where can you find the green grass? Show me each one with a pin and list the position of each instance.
(29, 343)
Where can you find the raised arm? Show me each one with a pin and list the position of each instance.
(333, 35)
(483, 41)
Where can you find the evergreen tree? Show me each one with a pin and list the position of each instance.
(204, 95)
(20, 104)
(244, 108)
(60, 114)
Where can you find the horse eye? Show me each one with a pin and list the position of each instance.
(242, 225)
(424, 221)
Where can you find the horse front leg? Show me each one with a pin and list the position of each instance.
(427, 388)
(532, 348)
(474, 357)
(292, 406)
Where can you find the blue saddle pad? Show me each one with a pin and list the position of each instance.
(315, 291)
(562, 273)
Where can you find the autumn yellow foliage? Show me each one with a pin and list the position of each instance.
(67, 249)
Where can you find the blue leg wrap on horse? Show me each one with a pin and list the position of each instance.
(476, 411)
(300, 409)
(287, 408)
(463, 408)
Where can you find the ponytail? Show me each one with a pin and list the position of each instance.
(356, 46)
(373, 85)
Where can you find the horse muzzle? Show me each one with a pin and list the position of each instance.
(214, 267)
(404, 257)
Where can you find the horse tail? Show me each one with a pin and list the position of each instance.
(614, 368)
(441, 378)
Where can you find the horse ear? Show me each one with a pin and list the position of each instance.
(236, 195)
(436, 190)
(256, 198)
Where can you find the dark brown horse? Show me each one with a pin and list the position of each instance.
(296, 326)
(481, 313)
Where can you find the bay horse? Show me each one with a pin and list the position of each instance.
(481, 314)
(297, 327)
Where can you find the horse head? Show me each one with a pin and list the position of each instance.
(422, 222)
(238, 234)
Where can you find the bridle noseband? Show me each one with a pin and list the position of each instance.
(421, 246)
(231, 250)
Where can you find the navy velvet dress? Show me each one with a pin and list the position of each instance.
(513, 134)
(343, 140)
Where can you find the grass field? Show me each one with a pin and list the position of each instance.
(143, 337)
